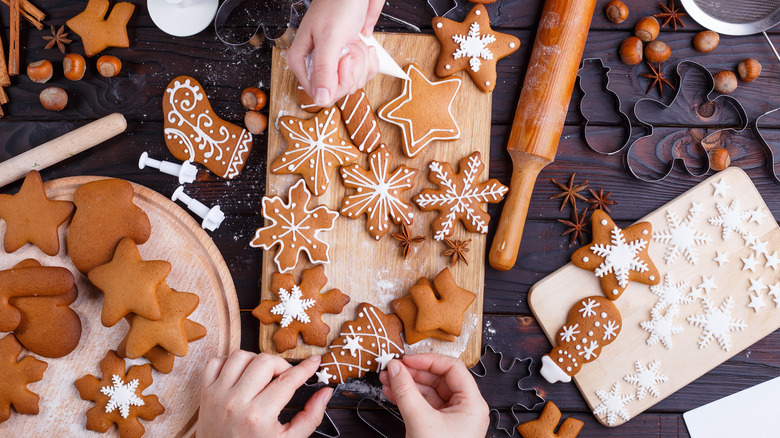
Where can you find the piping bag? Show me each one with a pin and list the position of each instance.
(387, 64)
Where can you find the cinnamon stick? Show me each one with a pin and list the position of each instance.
(13, 45)
(5, 80)
(30, 13)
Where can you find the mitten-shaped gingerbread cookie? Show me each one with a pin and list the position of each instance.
(193, 132)
(592, 323)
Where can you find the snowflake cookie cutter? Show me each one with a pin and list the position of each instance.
(392, 414)
(773, 160)
(240, 14)
(492, 359)
(584, 106)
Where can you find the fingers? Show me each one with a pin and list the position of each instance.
(233, 368)
(372, 15)
(456, 376)
(279, 392)
(301, 46)
(304, 422)
(429, 393)
(211, 371)
(404, 390)
(325, 71)
(258, 374)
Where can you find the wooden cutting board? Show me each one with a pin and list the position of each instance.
(551, 298)
(371, 271)
(197, 267)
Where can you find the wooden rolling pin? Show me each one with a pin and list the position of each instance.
(61, 148)
(540, 115)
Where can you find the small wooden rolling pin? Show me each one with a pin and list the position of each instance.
(61, 148)
(540, 115)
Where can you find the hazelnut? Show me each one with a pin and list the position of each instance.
(725, 82)
(749, 69)
(706, 41)
(255, 122)
(719, 159)
(74, 66)
(647, 29)
(657, 51)
(631, 51)
(40, 71)
(109, 66)
(616, 11)
(253, 99)
(54, 98)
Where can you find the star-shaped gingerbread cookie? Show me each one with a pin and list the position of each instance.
(129, 284)
(160, 358)
(98, 32)
(300, 308)
(31, 217)
(314, 149)
(405, 308)
(441, 306)
(618, 256)
(472, 45)
(423, 111)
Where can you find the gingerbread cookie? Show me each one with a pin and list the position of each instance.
(295, 228)
(15, 375)
(105, 214)
(544, 426)
(364, 345)
(129, 283)
(30, 281)
(472, 46)
(459, 196)
(119, 397)
(441, 306)
(360, 121)
(314, 149)
(405, 308)
(31, 217)
(618, 256)
(592, 323)
(306, 102)
(98, 32)
(193, 132)
(300, 308)
(423, 111)
(378, 193)
(160, 359)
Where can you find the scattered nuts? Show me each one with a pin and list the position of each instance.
(253, 99)
(706, 41)
(255, 122)
(74, 66)
(40, 71)
(749, 70)
(657, 51)
(54, 98)
(647, 29)
(109, 66)
(725, 82)
(616, 11)
(631, 51)
(719, 159)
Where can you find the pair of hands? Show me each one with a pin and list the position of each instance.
(243, 394)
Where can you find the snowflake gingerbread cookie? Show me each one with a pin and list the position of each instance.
(472, 46)
(314, 149)
(459, 196)
(682, 237)
(300, 308)
(716, 323)
(295, 228)
(378, 193)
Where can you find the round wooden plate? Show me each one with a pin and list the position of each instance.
(197, 267)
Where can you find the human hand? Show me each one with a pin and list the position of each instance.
(437, 396)
(243, 394)
(328, 27)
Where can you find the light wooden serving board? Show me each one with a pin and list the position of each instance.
(371, 271)
(197, 267)
(551, 298)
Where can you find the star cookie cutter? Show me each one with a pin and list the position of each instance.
(234, 17)
(656, 164)
(391, 414)
(432, 7)
(491, 359)
(585, 105)
(773, 160)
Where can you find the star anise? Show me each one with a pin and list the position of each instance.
(658, 78)
(576, 226)
(570, 193)
(600, 201)
(59, 38)
(457, 251)
(405, 240)
(671, 14)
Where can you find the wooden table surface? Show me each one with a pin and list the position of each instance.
(154, 58)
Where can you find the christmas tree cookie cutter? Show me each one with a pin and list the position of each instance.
(585, 107)
(366, 414)
(772, 158)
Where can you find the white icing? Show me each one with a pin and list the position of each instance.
(721, 258)
(353, 345)
(122, 396)
(291, 306)
(613, 404)
(589, 351)
(749, 263)
(323, 376)
(756, 302)
(716, 323)
(707, 284)
(568, 334)
(474, 46)
(439, 25)
(772, 261)
(682, 236)
(720, 188)
(732, 219)
(610, 329)
(620, 257)
(369, 138)
(646, 379)
(757, 215)
(670, 292)
(661, 326)
(756, 285)
(759, 246)
(774, 291)
(552, 372)
(604, 222)
(588, 308)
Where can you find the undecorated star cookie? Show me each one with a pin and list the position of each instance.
(300, 308)
(544, 426)
(473, 46)
(160, 359)
(15, 375)
(31, 217)
(98, 32)
(405, 308)
(442, 306)
(295, 228)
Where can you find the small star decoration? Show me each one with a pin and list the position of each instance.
(405, 240)
(570, 193)
(457, 251)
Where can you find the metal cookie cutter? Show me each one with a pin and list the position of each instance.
(491, 359)
(432, 6)
(703, 109)
(236, 18)
(772, 158)
(586, 105)
(391, 413)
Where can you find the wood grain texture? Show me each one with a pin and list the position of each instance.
(197, 268)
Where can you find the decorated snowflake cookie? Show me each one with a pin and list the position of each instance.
(662, 326)
(682, 237)
(731, 218)
(459, 196)
(613, 404)
(670, 292)
(295, 228)
(716, 323)
(646, 379)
